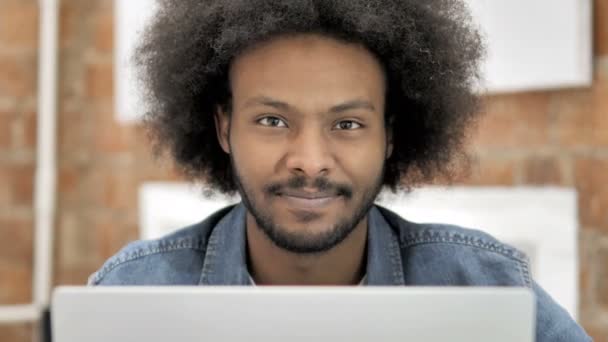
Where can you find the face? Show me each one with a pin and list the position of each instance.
(307, 138)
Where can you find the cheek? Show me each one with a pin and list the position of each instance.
(362, 159)
(362, 162)
(254, 158)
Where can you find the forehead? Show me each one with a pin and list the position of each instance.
(307, 68)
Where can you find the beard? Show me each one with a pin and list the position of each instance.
(303, 242)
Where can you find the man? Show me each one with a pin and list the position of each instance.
(307, 110)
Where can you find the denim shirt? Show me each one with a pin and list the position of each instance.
(400, 253)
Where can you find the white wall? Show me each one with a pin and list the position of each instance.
(532, 44)
(535, 44)
(542, 222)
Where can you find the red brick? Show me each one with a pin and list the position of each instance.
(30, 130)
(68, 185)
(110, 188)
(18, 185)
(543, 171)
(75, 18)
(16, 241)
(104, 31)
(15, 284)
(599, 115)
(77, 245)
(113, 235)
(514, 120)
(67, 24)
(150, 167)
(571, 113)
(486, 171)
(141, 142)
(19, 24)
(22, 185)
(99, 82)
(111, 136)
(74, 276)
(122, 192)
(601, 27)
(602, 277)
(6, 123)
(81, 251)
(22, 332)
(587, 246)
(597, 331)
(5, 191)
(581, 116)
(591, 268)
(591, 178)
(72, 133)
(18, 76)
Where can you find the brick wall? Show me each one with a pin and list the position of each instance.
(548, 137)
(18, 63)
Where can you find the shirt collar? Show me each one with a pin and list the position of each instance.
(361, 283)
(226, 260)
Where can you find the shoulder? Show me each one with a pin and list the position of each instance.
(454, 255)
(176, 258)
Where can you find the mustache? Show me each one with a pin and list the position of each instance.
(321, 184)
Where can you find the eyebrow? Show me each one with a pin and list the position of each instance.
(340, 108)
(267, 101)
(353, 104)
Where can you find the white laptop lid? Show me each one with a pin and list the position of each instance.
(273, 314)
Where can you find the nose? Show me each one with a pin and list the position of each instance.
(309, 154)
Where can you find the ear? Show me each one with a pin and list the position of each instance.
(389, 139)
(222, 127)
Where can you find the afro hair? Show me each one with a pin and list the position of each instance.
(430, 51)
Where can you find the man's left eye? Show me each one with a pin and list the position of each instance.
(347, 125)
(272, 121)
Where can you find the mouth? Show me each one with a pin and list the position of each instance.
(302, 200)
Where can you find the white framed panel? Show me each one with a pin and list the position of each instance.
(535, 44)
(131, 17)
(542, 222)
(532, 45)
(167, 206)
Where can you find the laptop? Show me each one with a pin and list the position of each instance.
(279, 314)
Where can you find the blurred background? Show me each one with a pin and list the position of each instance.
(78, 180)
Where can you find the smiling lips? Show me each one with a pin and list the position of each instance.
(308, 200)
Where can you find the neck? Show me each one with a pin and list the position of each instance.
(342, 265)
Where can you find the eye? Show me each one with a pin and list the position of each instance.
(271, 121)
(348, 125)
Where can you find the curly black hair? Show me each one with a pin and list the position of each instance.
(430, 51)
